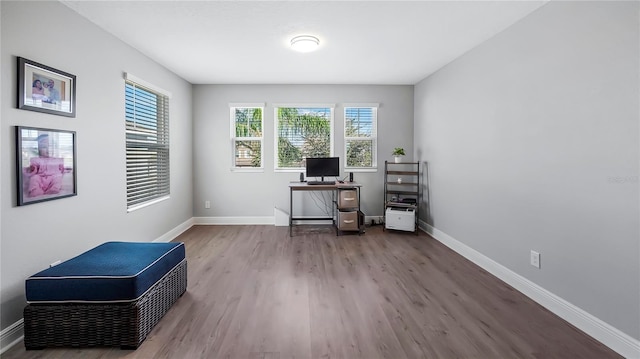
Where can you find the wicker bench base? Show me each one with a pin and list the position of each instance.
(111, 324)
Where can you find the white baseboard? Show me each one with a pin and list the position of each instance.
(178, 230)
(11, 335)
(267, 220)
(608, 335)
(234, 220)
(281, 217)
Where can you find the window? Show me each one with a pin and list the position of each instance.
(247, 135)
(360, 136)
(147, 143)
(301, 132)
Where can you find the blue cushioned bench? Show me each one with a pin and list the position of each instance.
(111, 295)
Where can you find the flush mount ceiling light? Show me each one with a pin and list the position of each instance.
(305, 43)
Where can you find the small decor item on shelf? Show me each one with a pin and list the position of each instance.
(399, 180)
(397, 153)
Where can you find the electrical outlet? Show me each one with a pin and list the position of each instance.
(207, 204)
(535, 259)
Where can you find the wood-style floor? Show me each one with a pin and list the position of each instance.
(254, 292)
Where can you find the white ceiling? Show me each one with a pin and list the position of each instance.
(247, 42)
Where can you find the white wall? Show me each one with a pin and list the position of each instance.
(532, 143)
(36, 235)
(234, 194)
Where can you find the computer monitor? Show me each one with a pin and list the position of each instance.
(323, 167)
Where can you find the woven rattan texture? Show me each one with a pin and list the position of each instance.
(111, 324)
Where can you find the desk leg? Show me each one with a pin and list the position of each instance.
(290, 211)
(334, 210)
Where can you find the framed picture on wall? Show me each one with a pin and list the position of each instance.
(46, 164)
(44, 89)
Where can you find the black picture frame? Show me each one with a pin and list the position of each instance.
(44, 89)
(45, 164)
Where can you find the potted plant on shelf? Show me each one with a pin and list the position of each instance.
(398, 152)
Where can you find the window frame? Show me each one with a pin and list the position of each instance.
(162, 144)
(232, 127)
(277, 106)
(374, 155)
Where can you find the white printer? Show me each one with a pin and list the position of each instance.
(402, 219)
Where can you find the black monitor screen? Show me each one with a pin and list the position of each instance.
(323, 167)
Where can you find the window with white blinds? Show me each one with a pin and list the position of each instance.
(301, 132)
(147, 141)
(361, 136)
(247, 135)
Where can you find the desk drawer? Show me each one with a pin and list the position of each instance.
(348, 220)
(348, 198)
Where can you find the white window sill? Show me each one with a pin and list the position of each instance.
(247, 169)
(146, 204)
(290, 170)
(361, 170)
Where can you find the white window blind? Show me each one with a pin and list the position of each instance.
(247, 136)
(147, 144)
(302, 132)
(360, 136)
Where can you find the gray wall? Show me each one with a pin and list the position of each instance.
(532, 143)
(38, 234)
(234, 194)
(531, 140)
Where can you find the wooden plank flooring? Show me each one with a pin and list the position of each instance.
(254, 292)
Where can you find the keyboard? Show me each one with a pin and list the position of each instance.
(325, 183)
